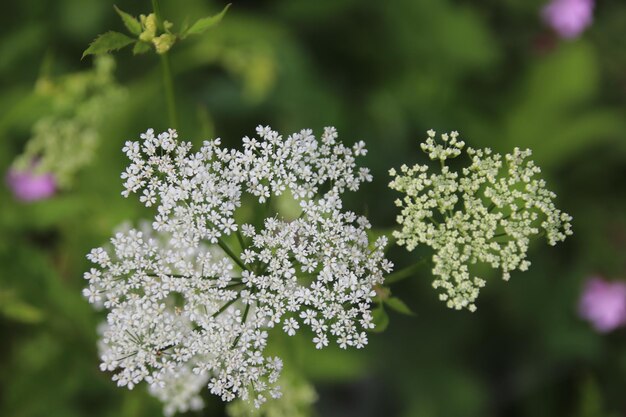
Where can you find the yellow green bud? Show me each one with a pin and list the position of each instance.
(164, 42)
(149, 25)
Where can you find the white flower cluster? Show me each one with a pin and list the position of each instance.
(486, 214)
(191, 297)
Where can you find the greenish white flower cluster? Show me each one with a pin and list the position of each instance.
(484, 214)
(65, 140)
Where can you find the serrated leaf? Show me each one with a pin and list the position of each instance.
(205, 23)
(398, 305)
(380, 319)
(107, 42)
(131, 23)
(141, 47)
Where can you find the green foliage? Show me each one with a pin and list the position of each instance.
(141, 48)
(131, 23)
(381, 319)
(15, 309)
(145, 32)
(551, 95)
(202, 25)
(107, 42)
(399, 306)
(65, 137)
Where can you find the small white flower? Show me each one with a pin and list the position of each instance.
(290, 326)
(188, 307)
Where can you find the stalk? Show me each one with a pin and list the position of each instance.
(168, 79)
(243, 321)
(406, 272)
(232, 254)
(168, 83)
(225, 306)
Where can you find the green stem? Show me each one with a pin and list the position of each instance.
(157, 12)
(168, 80)
(168, 83)
(406, 272)
(240, 239)
(153, 275)
(225, 306)
(268, 204)
(243, 321)
(232, 254)
(240, 284)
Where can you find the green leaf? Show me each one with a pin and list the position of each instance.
(205, 23)
(141, 47)
(398, 305)
(381, 319)
(184, 26)
(15, 309)
(107, 42)
(131, 23)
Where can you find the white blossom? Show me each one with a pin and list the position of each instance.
(190, 296)
(485, 213)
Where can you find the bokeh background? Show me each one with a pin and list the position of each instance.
(380, 71)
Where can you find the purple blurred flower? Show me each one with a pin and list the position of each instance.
(568, 17)
(603, 303)
(29, 186)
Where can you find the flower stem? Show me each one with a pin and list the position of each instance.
(240, 239)
(225, 306)
(157, 12)
(168, 83)
(406, 272)
(232, 254)
(243, 321)
(268, 204)
(168, 80)
(235, 284)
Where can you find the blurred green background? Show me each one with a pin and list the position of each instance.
(380, 71)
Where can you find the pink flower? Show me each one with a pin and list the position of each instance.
(568, 17)
(29, 186)
(603, 303)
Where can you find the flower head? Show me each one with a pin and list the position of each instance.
(485, 213)
(192, 295)
(603, 303)
(568, 17)
(29, 185)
